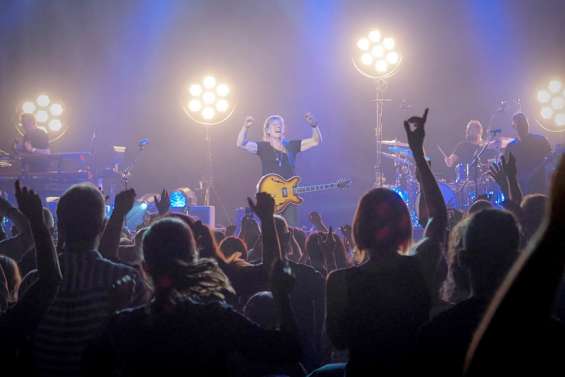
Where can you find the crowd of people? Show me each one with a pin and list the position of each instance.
(480, 293)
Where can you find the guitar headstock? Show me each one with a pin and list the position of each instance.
(343, 183)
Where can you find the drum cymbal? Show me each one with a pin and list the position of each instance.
(395, 143)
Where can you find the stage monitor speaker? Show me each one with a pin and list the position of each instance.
(206, 214)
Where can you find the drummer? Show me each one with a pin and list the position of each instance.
(466, 150)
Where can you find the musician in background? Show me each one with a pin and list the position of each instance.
(277, 153)
(34, 145)
(530, 151)
(466, 150)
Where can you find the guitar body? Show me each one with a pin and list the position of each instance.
(282, 190)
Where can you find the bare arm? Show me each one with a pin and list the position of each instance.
(316, 137)
(110, 242)
(509, 167)
(242, 141)
(30, 149)
(437, 211)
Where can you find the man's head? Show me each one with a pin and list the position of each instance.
(274, 128)
(80, 214)
(474, 131)
(520, 124)
(27, 121)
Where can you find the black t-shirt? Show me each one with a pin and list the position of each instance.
(530, 153)
(38, 138)
(274, 161)
(465, 151)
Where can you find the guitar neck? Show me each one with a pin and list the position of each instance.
(315, 188)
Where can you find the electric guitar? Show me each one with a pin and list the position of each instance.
(286, 191)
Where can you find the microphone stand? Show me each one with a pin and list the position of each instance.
(475, 162)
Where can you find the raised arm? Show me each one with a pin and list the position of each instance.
(47, 259)
(17, 246)
(316, 137)
(110, 242)
(242, 141)
(435, 203)
(264, 208)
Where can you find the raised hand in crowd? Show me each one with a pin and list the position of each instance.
(496, 172)
(47, 261)
(15, 247)
(264, 208)
(163, 203)
(110, 242)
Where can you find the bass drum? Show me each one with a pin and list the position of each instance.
(449, 196)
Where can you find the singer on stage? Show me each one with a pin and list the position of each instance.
(277, 153)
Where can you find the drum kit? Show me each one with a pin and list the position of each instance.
(472, 180)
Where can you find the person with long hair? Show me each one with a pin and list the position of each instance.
(187, 327)
(374, 309)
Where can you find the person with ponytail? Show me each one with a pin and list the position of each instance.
(187, 327)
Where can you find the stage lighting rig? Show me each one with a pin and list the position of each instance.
(552, 106)
(209, 102)
(48, 115)
(376, 57)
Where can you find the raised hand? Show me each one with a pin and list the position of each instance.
(415, 132)
(311, 120)
(496, 171)
(509, 167)
(123, 203)
(264, 207)
(164, 204)
(29, 204)
(248, 121)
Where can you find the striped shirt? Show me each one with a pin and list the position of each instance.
(77, 314)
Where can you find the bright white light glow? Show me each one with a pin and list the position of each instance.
(28, 107)
(560, 119)
(554, 86)
(375, 36)
(209, 82)
(543, 96)
(55, 125)
(367, 59)
(388, 43)
(43, 100)
(209, 98)
(378, 51)
(195, 90)
(194, 105)
(546, 112)
(223, 90)
(558, 103)
(56, 110)
(381, 66)
(222, 106)
(41, 116)
(208, 113)
(392, 57)
(363, 44)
